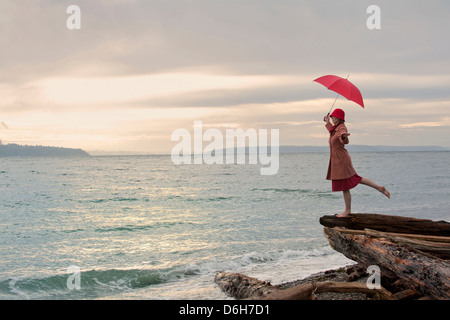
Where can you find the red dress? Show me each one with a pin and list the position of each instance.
(345, 184)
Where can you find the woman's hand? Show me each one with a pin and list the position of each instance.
(326, 118)
(345, 135)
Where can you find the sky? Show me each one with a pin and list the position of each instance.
(137, 70)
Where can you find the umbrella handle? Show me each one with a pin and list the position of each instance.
(333, 104)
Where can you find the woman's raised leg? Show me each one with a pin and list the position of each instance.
(372, 184)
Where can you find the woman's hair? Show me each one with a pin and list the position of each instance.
(339, 121)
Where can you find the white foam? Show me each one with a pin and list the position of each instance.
(197, 281)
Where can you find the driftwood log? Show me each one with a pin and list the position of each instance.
(386, 223)
(241, 286)
(418, 256)
(432, 246)
(412, 254)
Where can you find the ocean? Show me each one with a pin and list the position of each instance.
(139, 227)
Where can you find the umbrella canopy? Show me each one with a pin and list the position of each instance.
(343, 87)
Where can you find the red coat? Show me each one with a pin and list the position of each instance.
(340, 165)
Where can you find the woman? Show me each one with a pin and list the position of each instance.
(340, 168)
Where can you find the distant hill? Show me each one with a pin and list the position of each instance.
(351, 148)
(15, 150)
(361, 148)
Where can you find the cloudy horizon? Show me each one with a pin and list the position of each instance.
(138, 70)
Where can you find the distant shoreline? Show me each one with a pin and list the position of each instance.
(362, 148)
(16, 150)
(285, 149)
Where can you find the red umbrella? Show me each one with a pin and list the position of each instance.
(343, 87)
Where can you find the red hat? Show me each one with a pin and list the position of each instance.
(338, 113)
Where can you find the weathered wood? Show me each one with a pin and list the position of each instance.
(407, 294)
(425, 275)
(307, 291)
(436, 249)
(386, 223)
(241, 286)
(302, 292)
(433, 248)
(410, 253)
(354, 287)
(440, 239)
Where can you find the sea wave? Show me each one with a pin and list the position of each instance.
(211, 199)
(127, 227)
(115, 199)
(307, 192)
(283, 190)
(103, 283)
(93, 283)
(131, 228)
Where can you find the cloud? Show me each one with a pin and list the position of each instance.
(247, 37)
(422, 125)
(139, 68)
(135, 88)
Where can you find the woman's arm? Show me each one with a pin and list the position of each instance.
(344, 138)
(328, 125)
(343, 135)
